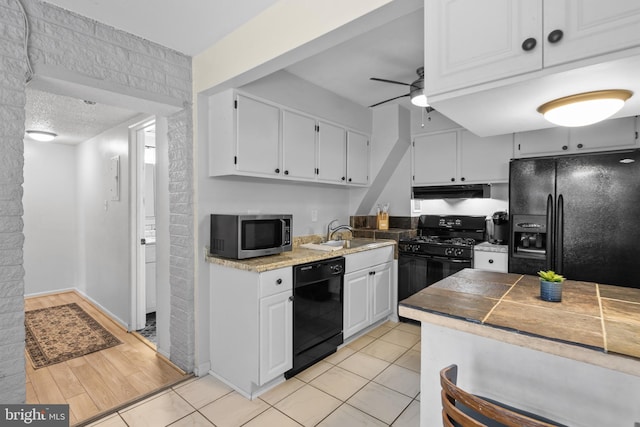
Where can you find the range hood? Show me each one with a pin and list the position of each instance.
(470, 191)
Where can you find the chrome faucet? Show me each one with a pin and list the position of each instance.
(331, 230)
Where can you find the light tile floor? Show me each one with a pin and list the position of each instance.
(372, 381)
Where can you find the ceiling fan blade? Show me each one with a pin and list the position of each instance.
(389, 81)
(390, 99)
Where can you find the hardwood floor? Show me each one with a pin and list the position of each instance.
(101, 381)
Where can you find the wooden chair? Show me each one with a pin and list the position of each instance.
(462, 409)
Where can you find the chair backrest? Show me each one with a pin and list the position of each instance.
(453, 416)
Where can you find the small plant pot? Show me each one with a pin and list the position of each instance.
(550, 291)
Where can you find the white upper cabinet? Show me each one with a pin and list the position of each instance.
(298, 145)
(589, 28)
(607, 135)
(461, 157)
(332, 153)
(254, 137)
(434, 159)
(357, 158)
(470, 42)
(485, 160)
(258, 133)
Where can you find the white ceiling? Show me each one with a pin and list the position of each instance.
(393, 51)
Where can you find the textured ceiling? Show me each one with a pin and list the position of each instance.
(73, 120)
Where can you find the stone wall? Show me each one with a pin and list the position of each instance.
(63, 45)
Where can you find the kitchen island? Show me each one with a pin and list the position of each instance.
(576, 361)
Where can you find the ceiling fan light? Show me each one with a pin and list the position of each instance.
(584, 108)
(40, 135)
(418, 97)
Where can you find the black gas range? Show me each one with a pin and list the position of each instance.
(443, 247)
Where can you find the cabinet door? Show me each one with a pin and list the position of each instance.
(276, 336)
(468, 42)
(490, 261)
(357, 158)
(381, 285)
(590, 28)
(434, 159)
(541, 142)
(485, 159)
(298, 145)
(258, 136)
(607, 135)
(356, 302)
(332, 153)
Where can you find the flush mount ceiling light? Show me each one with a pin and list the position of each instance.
(40, 135)
(416, 92)
(584, 108)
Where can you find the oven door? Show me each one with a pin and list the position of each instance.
(440, 267)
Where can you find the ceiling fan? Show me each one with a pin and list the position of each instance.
(416, 91)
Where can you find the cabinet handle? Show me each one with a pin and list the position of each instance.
(453, 179)
(349, 179)
(343, 178)
(291, 298)
(529, 44)
(564, 147)
(555, 36)
(286, 172)
(277, 170)
(580, 145)
(462, 179)
(490, 261)
(279, 282)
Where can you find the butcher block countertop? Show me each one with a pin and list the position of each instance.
(596, 317)
(299, 255)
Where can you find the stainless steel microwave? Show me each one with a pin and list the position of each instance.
(248, 236)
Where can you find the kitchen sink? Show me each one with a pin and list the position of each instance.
(334, 243)
(353, 243)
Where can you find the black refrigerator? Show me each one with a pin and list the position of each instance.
(578, 215)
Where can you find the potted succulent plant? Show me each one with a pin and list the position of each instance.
(550, 286)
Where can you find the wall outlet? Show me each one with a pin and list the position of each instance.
(314, 215)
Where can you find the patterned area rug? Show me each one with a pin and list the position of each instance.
(56, 334)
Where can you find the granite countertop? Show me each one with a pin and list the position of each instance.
(599, 317)
(298, 255)
(491, 247)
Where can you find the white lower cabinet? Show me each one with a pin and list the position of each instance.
(490, 261)
(368, 289)
(251, 323)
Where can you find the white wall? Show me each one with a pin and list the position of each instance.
(103, 228)
(50, 217)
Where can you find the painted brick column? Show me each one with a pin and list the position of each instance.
(12, 117)
(181, 232)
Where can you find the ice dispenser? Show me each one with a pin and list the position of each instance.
(529, 236)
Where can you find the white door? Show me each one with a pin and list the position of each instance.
(298, 146)
(469, 42)
(332, 153)
(381, 292)
(258, 137)
(356, 302)
(434, 159)
(485, 160)
(276, 335)
(357, 158)
(589, 28)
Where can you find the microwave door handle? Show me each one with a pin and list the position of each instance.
(283, 233)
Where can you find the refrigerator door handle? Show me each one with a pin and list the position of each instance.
(550, 234)
(558, 234)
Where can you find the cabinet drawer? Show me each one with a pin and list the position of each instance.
(490, 261)
(274, 281)
(366, 259)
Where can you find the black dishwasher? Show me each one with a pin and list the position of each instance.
(317, 311)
